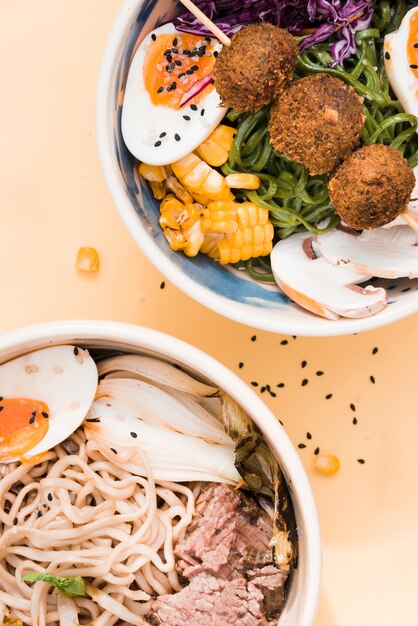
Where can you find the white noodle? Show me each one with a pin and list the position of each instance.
(81, 512)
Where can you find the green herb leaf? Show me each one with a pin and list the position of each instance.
(73, 586)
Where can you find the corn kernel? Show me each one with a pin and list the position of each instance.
(242, 181)
(178, 190)
(87, 260)
(327, 464)
(175, 239)
(215, 150)
(154, 173)
(185, 165)
(158, 190)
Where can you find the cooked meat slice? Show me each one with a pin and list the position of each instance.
(208, 601)
(271, 582)
(229, 533)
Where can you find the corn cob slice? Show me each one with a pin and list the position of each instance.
(247, 231)
(204, 183)
(215, 150)
(181, 225)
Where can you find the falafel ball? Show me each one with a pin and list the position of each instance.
(317, 122)
(372, 187)
(255, 67)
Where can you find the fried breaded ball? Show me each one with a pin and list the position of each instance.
(255, 67)
(372, 187)
(317, 122)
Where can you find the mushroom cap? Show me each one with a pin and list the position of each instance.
(318, 286)
(382, 252)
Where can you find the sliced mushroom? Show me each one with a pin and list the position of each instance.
(411, 215)
(387, 253)
(318, 286)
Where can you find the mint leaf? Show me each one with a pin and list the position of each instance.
(73, 586)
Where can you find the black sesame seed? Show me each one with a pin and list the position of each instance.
(113, 450)
(254, 383)
(319, 373)
(178, 63)
(355, 420)
(280, 421)
(215, 54)
(415, 45)
(76, 350)
(254, 338)
(172, 65)
(207, 38)
(284, 342)
(406, 290)
(212, 82)
(316, 451)
(169, 58)
(193, 107)
(153, 37)
(134, 435)
(202, 112)
(268, 387)
(94, 420)
(162, 285)
(174, 50)
(160, 89)
(375, 350)
(352, 407)
(177, 137)
(308, 435)
(189, 72)
(33, 413)
(194, 68)
(167, 52)
(157, 143)
(304, 364)
(32, 420)
(169, 88)
(301, 446)
(1, 408)
(280, 385)
(387, 55)
(39, 513)
(175, 41)
(414, 66)
(15, 521)
(305, 382)
(50, 498)
(328, 396)
(361, 461)
(200, 53)
(163, 135)
(182, 74)
(44, 414)
(273, 394)
(186, 52)
(372, 380)
(262, 390)
(187, 118)
(1, 398)
(241, 365)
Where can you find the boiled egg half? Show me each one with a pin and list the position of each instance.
(44, 397)
(170, 104)
(401, 61)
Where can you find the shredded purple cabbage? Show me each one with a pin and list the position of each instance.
(329, 17)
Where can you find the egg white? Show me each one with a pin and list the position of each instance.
(400, 75)
(64, 377)
(143, 122)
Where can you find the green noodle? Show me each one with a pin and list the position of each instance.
(297, 201)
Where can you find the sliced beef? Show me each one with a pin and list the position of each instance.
(209, 601)
(227, 559)
(228, 534)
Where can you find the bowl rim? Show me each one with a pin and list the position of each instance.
(13, 343)
(238, 312)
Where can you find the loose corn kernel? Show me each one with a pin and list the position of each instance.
(242, 181)
(215, 149)
(87, 260)
(159, 190)
(175, 239)
(178, 190)
(154, 173)
(204, 183)
(327, 464)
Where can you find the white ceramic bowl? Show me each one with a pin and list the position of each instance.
(227, 292)
(303, 594)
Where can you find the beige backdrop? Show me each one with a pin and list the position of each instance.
(54, 200)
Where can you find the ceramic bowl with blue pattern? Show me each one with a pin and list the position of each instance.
(222, 289)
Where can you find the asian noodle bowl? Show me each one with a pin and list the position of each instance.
(79, 512)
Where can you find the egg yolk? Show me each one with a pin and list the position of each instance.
(23, 424)
(412, 46)
(173, 64)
